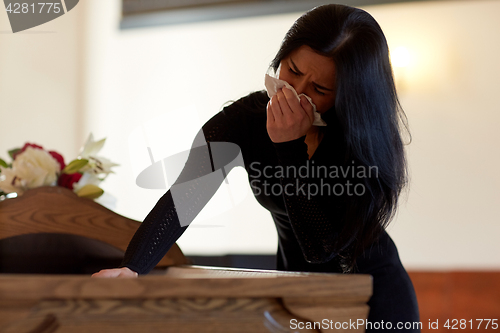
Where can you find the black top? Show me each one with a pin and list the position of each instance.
(304, 196)
(307, 206)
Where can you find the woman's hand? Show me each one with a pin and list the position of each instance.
(115, 272)
(287, 118)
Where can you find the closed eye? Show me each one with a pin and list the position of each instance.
(319, 92)
(293, 72)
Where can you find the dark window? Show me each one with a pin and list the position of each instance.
(147, 13)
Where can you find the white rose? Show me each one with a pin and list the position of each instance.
(31, 168)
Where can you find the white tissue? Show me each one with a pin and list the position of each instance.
(273, 85)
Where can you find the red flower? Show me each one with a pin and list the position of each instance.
(58, 158)
(54, 154)
(68, 180)
(26, 145)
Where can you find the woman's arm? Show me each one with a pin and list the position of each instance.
(315, 217)
(194, 187)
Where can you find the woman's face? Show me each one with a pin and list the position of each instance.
(312, 74)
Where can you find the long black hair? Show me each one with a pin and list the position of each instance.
(367, 108)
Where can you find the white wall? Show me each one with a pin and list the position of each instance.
(187, 72)
(135, 79)
(40, 85)
(451, 217)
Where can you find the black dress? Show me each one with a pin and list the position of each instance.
(306, 198)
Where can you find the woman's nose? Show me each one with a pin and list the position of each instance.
(299, 86)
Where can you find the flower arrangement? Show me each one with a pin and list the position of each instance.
(33, 166)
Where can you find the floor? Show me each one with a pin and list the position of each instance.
(460, 299)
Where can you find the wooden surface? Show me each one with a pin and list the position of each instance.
(186, 299)
(59, 210)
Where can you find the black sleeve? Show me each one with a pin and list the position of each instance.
(213, 154)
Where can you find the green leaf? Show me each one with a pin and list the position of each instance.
(90, 191)
(75, 166)
(2, 163)
(13, 152)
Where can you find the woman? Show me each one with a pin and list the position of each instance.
(331, 220)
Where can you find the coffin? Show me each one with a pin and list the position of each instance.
(182, 298)
(186, 299)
